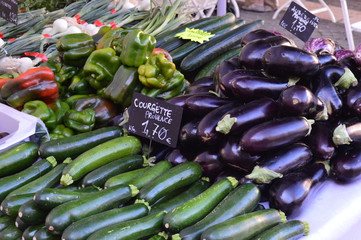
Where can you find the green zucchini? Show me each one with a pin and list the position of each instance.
(151, 174)
(241, 200)
(74, 145)
(159, 236)
(100, 175)
(10, 205)
(83, 228)
(12, 182)
(21, 224)
(198, 207)
(31, 214)
(133, 229)
(176, 42)
(5, 221)
(289, 230)
(18, 158)
(65, 214)
(30, 231)
(177, 177)
(125, 178)
(98, 156)
(213, 48)
(49, 198)
(44, 234)
(245, 226)
(11, 233)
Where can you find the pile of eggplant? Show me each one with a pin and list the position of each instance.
(281, 116)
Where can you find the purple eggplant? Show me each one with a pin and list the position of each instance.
(188, 134)
(229, 172)
(240, 118)
(204, 81)
(223, 69)
(275, 133)
(179, 100)
(341, 53)
(201, 104)
(176, 157)
(342, 78)
(320, 45)
(255, 35)
(299, 100)
(357, 53)
(356, 108)
(289, 61)
(320, 140)
(350, 62)
(232, 155)
(209, 161)
(251, 54)
(246, 89)
(199, 89)
(276, 164)
(346, 165)
(289, 192)
(348, 132)
(352, 95)
(326, 59)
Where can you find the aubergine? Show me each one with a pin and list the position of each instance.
(290, 61)
(175, 157)
(356, 108)
(353, 94)
(204, 81)
(276, 133)
(320, 140)
(342, 78)
(347, 132)
(276, 164)
(299, 100)
(255, 35)
(229, 172)
(346, 164)
(201, 104)
(232, 155)
(251, 54)
(223, 69)
(238, 119)
(210, 163)
(326, 59)
(199, 89)
(351, 63)
(289, 192)
(188, 134)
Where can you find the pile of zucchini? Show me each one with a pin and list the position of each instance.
(97, 185)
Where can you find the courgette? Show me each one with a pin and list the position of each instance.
(125, 178)
(74, 145)
(151, 174)
(5, 221)
(10, 205)
(245, 226)
(241, 200)
(11, 233)
(20, 224)
(83, 228)
(65, 214)
(133, 229)
(18, 158)
(177, 177)
(30, 231)
(31, 214)
(98, 156)
(44, 234)
(289, 230)
(100, 175)
(214, 48)
(198, 207)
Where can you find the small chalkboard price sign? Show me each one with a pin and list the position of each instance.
(299, 21)
(9, 10)
(154, 119)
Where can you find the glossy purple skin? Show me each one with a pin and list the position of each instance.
(255, 35)
(354, 132)
(210, 163)
(352, 95)
(320, 140)
(356, 107)
(273, 134)
(332, 72)
(350, 62)
(326, 59)
(199, 89)
(188, 134)
(204, 81)
(320, 45)
(176, 157)
(232, 155)
(201, 104)
(346, 165)
(341, 53)
(289, 192)
(179, 100)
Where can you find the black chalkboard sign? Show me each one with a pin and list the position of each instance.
(299, 21)
(9, 10)
(154, 119)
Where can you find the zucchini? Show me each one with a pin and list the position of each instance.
(176, 42)
(98, 156)
(125, 178)
(11, 233)
(289, 230)
(74, 145)
(44, 234)
(159, 236)
(245, 226)
(213, 48)
(241, 200)
(5, 221)
(83, 228)
(175, 178)
(20, 224)
(198, 207)
(18, 158)
(10, 205)
(30, 231)
(194, 190)
(12, 182)
(151, 174)
(49, 198)
(100, 175)
(31, 214)
(65, 214)
(133, 229)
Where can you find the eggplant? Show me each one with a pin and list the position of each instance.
(320, 140)
(289, 192)
(255, 35)
(233, 156)
(350, 62)
(356, 108)
(357, 53)
(346, 165)
(341, 53)
(299, 100)
(204, 81)
(242, 117)
(246, 89)
(276, 164)
(223, 69)
(199, 89)
(210, 163)
(201, 104)
(179, 100)
(251, 54)
(275, 133)
(327, 59)
(342, 78)
(348, 132)
(188, 134)
(320, 45)
(176, 157)
(229, 172)
(289, 61)
(352, 95)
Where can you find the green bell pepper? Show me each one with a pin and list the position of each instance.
(75, 48)
(100, 67)
(59, 108)
(136, 47)
(80, 121)
(61, 131)
(79, 85)
(40, 109)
